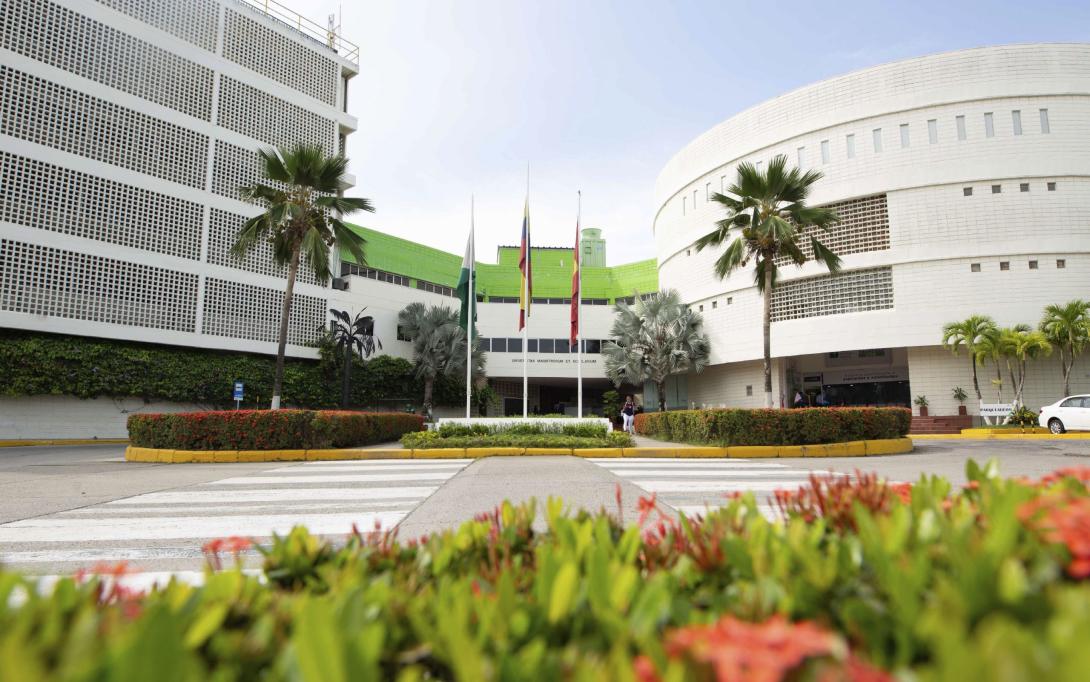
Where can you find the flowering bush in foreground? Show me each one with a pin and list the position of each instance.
(859, 580)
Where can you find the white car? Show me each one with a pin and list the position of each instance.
(1070, 414)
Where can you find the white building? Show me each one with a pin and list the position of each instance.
(126, 129)
(963, 185)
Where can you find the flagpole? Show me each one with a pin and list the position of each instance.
(469, 321)
(579, 310)
(526, 298)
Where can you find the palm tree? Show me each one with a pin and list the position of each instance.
(439, 345)
(1067, 327)
(1022, 343)
(301, 219)
(654, 338)
(768, 221)
(971, 333)
(353, 335)
(991, 348)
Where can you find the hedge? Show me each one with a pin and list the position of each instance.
(269, 429)
(33, 363)
(857, 580)
(802, 426)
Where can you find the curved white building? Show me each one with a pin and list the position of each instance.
(963, 185)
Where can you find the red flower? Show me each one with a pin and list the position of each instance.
(1065, 520)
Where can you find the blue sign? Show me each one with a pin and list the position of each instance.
(238, 390)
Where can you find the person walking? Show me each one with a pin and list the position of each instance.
(628, 414)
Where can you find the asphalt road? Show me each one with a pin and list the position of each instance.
(62, 508)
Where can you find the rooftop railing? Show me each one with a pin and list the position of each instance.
(330, 37)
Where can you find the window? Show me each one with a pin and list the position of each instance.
(730, 299)
(989, 125)
(484, 343)
(1051, 187)
(715, 304)
(694, 199)
(877, 138)
(688, 252)
(1044, 122)
(1033, 265)
(960, 120)
(531, 345)
(514, 345)
(749, 389)
(499, 345)
(545, 345)
(996, 189)
(758, 166)
(1004, 265)
(849, 144)
(700, 308)
(974, 267)
(932, 131)
(1023, 187)
(802, 156)
(904, 135)
(1016, 121)
(825, 151)
(967, 191)
(707, 191)
(1061, 263)
(561, 346)
(722, 184)
(403, 335)
(592, 346)
(684, 201)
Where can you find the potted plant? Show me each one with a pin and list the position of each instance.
(921, 402)
(960, 395)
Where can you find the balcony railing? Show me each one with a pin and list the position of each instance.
(331, 38)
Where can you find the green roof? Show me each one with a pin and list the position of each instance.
(552, 269)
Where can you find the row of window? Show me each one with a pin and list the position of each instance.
(715, 304)
(1061, 263)
(543, 301)
(514, 345)
(998, 189)
(877, 144)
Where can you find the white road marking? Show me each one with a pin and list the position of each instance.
(718, 486)
(691, 463)
(424, 463)
(50, 529)
(716, 474)
(355, 466)
(690, 510)
(660, 460)
(332, 478)
(276, 495)
(202, 510)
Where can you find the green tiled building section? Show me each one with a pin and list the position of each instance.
(552, 269)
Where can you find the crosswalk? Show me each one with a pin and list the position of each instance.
(693, 486)
(166, 529)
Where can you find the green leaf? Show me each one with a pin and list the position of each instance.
(563, 592)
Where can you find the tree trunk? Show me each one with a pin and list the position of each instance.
(429, 385)
(976, 383)
(767, 327)
(347, 375)
(999, 382)
(1021, 383)
(661, 387)
(1065, 367)
(285, 316)
(1014, 380)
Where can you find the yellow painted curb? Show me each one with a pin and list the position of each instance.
(893, 446)
(987, 431)
(221, 456)
(649, 452)
(272, 455)
(477, 453)
(329, 454)
(439, 453)
(703, 452)
(135, 454)
(191, 456)
(1003, 436)
(598, 452)
(548, 451)
(756, 451)
(31, 442)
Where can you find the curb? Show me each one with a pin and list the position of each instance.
(30, 442)
(1001, 436)
(859, 448)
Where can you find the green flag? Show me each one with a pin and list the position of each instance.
(466, 289)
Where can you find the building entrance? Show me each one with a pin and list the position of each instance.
(874, 377)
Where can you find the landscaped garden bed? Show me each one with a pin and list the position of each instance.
(804, 426)
(540, 434)
(269, 429)
(859, 580)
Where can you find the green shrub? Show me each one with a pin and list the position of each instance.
(464, 437)
(803, 426)
(268, 429)
(923, 582)
(584, 430)
(1023, 417)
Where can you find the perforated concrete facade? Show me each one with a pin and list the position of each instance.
(126, 128)
(975, 200)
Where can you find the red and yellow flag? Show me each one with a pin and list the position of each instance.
(574, 338)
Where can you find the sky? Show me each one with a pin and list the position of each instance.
(455, 97)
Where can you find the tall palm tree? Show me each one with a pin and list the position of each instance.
(351, 336)
(972, 333)
(1067, 327)
(991, 348)
(439, 346)
(768, 220)
(654, 338)
(1022, 343)
(302, 217)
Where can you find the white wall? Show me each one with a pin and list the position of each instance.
(54, 416)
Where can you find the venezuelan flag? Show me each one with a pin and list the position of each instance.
(574, 335)
(526, 287)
